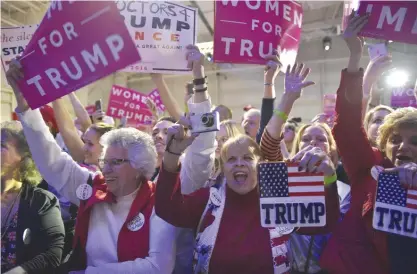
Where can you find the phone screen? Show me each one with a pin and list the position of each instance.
(377, 50)
(98, 105)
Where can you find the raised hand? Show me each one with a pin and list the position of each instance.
(407, 173)
(350, 35)
(376, 68)
(98, 116)
(178, 141)
(295, 79)
(272, 67)
(13, 75)
(195, 61)
(313, 159)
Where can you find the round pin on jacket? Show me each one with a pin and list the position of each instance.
(215, 197)
(84, 192)
(136, 223)
(375, 171)
(27, 236)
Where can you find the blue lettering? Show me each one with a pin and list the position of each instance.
(292, 208)
(319, 211)
(267, 207)
(382, 211)
(306, 212)
(396, 217)
(412, 226)
(280, 213)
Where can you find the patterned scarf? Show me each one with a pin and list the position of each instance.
(206, 239)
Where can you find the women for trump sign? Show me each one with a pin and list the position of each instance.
(77, 42)
(124, 102)
(247, 31)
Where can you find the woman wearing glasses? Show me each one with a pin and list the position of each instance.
(117, 230)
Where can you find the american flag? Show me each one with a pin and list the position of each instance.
(279, 180)
(391, 192)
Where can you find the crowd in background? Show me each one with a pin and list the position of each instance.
(84, 196)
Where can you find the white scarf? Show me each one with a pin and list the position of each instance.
(206, 240)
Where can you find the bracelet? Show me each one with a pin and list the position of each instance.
(281, 115)
(269, 84)
(200, 81)
(328, 180)
(173, 153)
(200, 89)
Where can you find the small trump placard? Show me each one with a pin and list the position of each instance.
(395, 208)
(289, 197)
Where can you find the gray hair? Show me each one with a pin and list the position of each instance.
(252, 112)
(139, 145)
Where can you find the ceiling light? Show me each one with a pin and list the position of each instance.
(396, 78)
(327, 43)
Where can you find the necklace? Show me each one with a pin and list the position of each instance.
(7, 221)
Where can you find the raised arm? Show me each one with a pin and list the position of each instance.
(161, 257)
(348, 129)
(294, 84)
(167, 98)
(56, 166)
(271, 71)
(68, 131)
(80, 112)
(175, 208)
(198, 161)
(371, 93)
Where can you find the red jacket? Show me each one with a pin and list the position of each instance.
(355, 246)
(130, 244)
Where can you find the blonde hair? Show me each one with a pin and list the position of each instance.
(232, 128)
(101, 128)
(27, 171)
(370, 114)
(240, 140)
(400, 118)
(332, 143)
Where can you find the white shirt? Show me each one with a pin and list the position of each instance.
(65, 175)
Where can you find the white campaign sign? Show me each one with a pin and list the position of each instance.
(395, 209)
(13, 42)
(161, 31)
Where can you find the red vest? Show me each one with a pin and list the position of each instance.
(130, 244)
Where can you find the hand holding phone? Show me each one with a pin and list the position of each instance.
(123, 121)
(377, 50)
(98, 109)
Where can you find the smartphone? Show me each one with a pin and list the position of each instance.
(123, 121)
(190, 89)
(98, 107)
(377, 50)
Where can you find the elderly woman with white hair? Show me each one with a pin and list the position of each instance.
(117, 230)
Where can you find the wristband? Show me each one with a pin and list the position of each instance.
(201, 89)
(268, 84)
(200, 81)
(328, 180)
(281, 115)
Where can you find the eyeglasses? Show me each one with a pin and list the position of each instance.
(111, 162)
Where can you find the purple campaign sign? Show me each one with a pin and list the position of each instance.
(403, 97)
(77, 43)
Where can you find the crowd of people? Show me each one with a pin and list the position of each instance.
(83, 196)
